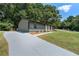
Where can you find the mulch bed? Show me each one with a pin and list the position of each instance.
(33, 33)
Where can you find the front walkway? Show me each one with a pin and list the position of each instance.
(25, 44)
(42, 33)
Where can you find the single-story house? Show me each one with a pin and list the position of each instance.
(29, 26)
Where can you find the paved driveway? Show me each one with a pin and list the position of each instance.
(25, 44)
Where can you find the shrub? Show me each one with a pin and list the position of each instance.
(5, 26)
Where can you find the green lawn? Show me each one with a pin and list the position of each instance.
(64, 39)
(3, 45)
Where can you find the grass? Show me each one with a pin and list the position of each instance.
(3, 45)
(64, 39)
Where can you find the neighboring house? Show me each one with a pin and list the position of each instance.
(29, 26)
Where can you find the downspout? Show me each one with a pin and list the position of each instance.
(28, 26)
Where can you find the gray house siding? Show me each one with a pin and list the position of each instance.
(36, 27)
(23, 26)
(27, 26)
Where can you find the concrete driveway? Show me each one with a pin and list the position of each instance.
(25, 44)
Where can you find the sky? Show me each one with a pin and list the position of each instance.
(67, 9)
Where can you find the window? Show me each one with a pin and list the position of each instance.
(35, 26)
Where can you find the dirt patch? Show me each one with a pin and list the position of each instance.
(33, 33)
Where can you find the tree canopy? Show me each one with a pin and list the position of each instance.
(11, 14)
(71, 23)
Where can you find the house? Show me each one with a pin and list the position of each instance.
(30, 26)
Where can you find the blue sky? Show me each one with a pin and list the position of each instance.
(67, 9)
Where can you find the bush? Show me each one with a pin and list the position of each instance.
(5, 26)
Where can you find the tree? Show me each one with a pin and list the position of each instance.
(75, 23)
(34, 12)
(67, 24)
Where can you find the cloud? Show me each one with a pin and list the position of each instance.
(65, 8)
